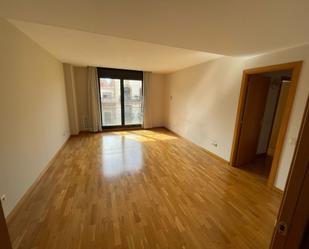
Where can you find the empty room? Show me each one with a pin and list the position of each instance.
(154, 124)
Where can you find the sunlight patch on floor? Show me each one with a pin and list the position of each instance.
(144, 135)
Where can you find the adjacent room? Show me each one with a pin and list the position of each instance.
(159, 124)
(262, 116)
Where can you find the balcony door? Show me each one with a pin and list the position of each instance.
(121, 95)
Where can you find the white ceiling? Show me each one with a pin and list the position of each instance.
(90, 49)
(227, 27)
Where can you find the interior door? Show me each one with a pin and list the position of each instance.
(256, 96)
(292, 227)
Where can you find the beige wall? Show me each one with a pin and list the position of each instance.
(156, 89)
(33, 108)
(201, 102)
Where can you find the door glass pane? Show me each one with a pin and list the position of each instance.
(110, 101)
(133, 102)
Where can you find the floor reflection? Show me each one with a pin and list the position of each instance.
(121, 155)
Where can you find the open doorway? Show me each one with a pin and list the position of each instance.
(265, 103)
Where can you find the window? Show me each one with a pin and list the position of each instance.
(121, 93)
(110, 101)
(133, 105)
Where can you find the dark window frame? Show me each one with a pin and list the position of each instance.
(120, 74)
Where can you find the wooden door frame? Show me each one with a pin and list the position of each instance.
(295, 67)
(293, 213)
(5, 242)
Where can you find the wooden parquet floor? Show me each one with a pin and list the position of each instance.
(144, 189)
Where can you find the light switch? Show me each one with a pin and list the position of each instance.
(292, 141)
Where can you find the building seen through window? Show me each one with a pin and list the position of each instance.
(110, 90)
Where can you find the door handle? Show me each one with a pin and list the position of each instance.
(282, 228)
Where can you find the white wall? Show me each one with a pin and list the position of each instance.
(201, 102)
(156, 89)
(33, 108)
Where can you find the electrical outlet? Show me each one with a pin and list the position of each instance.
(214, 143)
(85, 122)
(2, 198)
